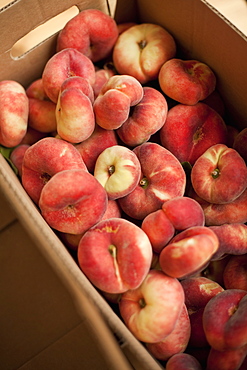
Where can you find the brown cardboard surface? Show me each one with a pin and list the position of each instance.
(76, 349)
(7, 215)
(32, 315)
(39, 276)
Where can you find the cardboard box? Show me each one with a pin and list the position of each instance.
(51, 315)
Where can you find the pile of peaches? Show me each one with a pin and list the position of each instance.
(126, 150)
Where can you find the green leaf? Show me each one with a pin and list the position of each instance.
(6, 154)
(5, 151)
(187, 167)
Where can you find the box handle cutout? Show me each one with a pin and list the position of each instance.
(42, 32)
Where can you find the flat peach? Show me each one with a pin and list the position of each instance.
(113, 103)
(72, 240)
(74, 115)
(145, 119)
(151, 311)
(72, 201)
(45, 158)
(183, 361)
(235, 272)
(118, 170)
(227, 329)
(41, 116)
(80, 83)
(190, 130)
(36, 90)
(13, 113)
(102, 75)
(186, 81)
(183, 212)
(188, 251)
(92, 32)
(112, 210)
(120, 259)
(62, 65)
(213, 171)
(162, 178)
(176, 214)
(159, 229)
(142, 49)
(219, 214)
(198, 291)
(175, 342)
(232, 239)
(227, 360)
(17, 155)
